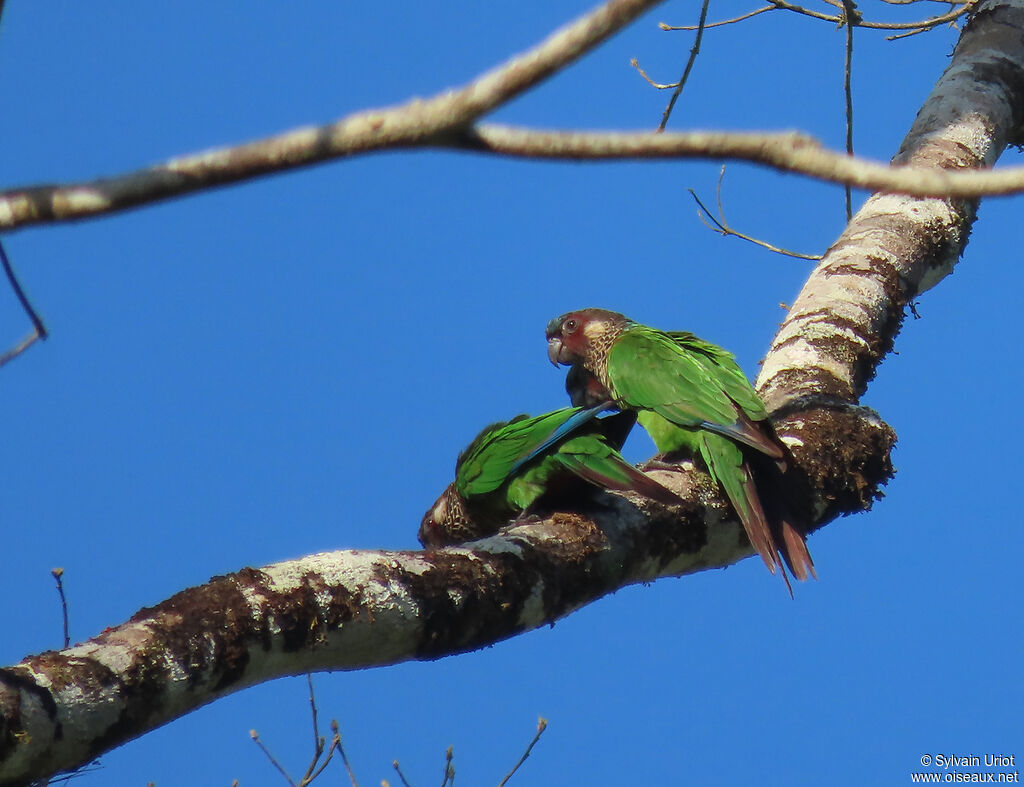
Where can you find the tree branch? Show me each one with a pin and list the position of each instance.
(355, 609)
(446, 121)
(415, 123)
(367, 132)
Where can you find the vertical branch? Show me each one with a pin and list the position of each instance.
(694, 51)
(58, 574)
(852, 17)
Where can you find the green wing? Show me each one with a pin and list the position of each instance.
(497, 452)
(650, 371)
(592, 458)
(721, 365)
(688, 382)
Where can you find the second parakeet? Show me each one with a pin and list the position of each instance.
(692, 397)
(510, 465)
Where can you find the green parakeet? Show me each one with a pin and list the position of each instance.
(691, 396)
(510, 465)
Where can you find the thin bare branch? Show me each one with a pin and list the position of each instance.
(839, 19)
(732, 21)
(273, 761)
(318, 741)
(721, 226)
(785, 151)
(39, 331)
(58, 575)
(336, 743)
(694, 51)
(852, 18)
(659, 85)
(542, 724)
(924, 24)
(20, 347)
(401, 775)
(786, 6)
(449, 770)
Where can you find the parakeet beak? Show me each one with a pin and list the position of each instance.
(555, 350)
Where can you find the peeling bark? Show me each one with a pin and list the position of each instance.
(355, 609)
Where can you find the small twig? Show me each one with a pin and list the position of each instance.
(732, 21)
(852, 18)
(839, 19)
(401, 775)
(721, 226)
(542, 724)
(918, 31)
(58, 574)
(256, 739)
(659, 85)
(318, 741)
(449, 771)
(799, 9)
(694, 51)
(336, 744)
(925, 24)
(39, 331)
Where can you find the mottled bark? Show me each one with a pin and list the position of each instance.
(353, 609)
(846, 317)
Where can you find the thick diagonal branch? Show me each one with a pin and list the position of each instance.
(346, 610)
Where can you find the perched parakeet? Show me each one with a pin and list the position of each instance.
(690, 395)
(509, 466)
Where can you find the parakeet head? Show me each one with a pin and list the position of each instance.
(445, 522)
(583, 337)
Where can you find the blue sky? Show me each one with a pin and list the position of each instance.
(292, 365)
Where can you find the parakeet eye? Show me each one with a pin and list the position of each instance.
(571, 326)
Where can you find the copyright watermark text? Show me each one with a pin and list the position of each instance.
(990, 768)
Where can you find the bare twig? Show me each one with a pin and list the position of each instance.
(449, 771)
(256, 739)
(721, 226)
(401, 775)
(336, 743)
(924, 24)
(732, 21)
(58, 574)
(852, 18)
(39, 331)
(659, 85)
(542, 724)
(318, 741)
(838, 19)
(694, 51)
